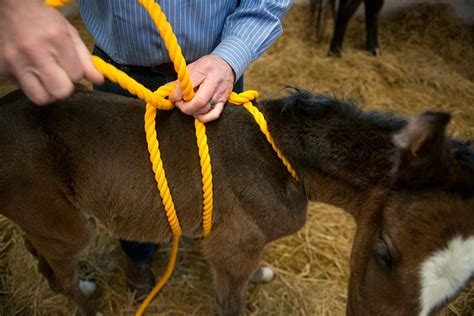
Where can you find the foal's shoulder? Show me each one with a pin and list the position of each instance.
(17, 97)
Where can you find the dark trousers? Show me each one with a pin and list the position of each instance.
(142, 253)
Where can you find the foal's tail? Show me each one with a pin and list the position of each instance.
(317, 17)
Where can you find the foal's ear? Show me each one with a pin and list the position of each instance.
(423, 154)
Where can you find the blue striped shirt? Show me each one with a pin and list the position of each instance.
(237, 31)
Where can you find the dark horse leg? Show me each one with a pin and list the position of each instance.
(56, 238)
(346, 10)
(234, 254)
(372, 10)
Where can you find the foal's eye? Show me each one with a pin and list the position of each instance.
(382, 253)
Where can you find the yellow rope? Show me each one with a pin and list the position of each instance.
(57, 3)
(157, 166)
(205, 161)
(171, 43)
(158, 100)
(131, 85)
(245, 98)
(164, 279)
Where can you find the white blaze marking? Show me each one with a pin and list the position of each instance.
(445, 272)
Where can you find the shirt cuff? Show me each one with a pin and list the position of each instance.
(236, 53)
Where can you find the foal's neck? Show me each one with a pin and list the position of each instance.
(340, 153)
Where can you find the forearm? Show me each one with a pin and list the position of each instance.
(249, 31)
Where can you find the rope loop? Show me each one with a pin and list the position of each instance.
(119, 77)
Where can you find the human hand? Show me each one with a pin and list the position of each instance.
(212, 77)
(42, 51)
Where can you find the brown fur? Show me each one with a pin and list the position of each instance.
(86, 158)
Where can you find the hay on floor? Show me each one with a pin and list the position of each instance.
(426, 63)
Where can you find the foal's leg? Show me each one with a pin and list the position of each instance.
(346, 10)
(61, 272)
(56, 234)
(372, 10)
(234, 254)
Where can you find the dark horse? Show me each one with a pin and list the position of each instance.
(408, 186)
(345, 11)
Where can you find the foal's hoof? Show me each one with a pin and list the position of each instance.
(374, 51)
(334, 53)
(263, 275)
(87, 287)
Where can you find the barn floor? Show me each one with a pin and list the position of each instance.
(426, 63)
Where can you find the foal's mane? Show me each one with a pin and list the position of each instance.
(303, 109)
(304, 106)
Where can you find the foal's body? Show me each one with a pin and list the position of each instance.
(87, 157)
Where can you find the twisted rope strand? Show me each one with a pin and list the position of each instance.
(169, 271)
(131, 85)
(205, 161)
(171, 43)
(157, 166)
(245, 98)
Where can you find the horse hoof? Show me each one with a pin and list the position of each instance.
(375, 51)
(334, 53)
(263, 275)
(87, 287)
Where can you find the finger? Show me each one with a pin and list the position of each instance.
(24, 74)
(177, 94)
(42, 66)
(33, 88)
(67, 56)
(90, 72)
(181, 105)
(222, 92)
(213, 114)
(197, 77)
(204, 110)
(200, 100)
(55, 79)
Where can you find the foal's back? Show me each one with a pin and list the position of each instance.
(90, 152)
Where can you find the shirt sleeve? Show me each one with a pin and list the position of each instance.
(249, 31)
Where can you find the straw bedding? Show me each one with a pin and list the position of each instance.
(426, 63)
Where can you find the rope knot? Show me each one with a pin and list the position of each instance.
(163, 93)
(244, 97)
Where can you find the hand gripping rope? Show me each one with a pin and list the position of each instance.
(158, 100)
